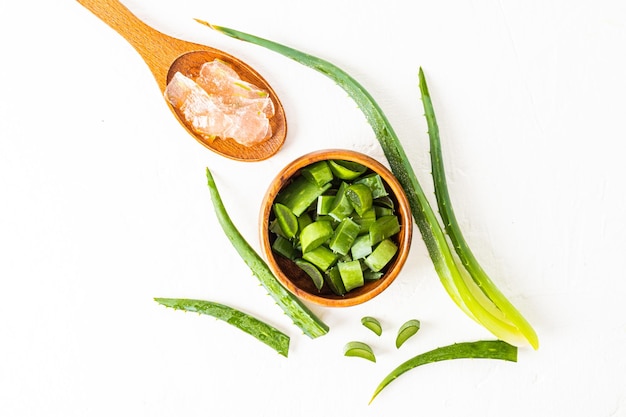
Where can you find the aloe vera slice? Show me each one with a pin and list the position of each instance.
(314, 234)
(383, 228)
(318, 173)
(361, 247)
(287, 221)
(375, 184)
(284, 247)
(312, 271)
(346, 170)
(344, 236)
(341, 207)
(304, 220)
(333, 279)
(483, 349)
(369, 275)
(406, 331)
(372, 324)
(324, 204)
(299, 194)
(267, 334)
(351, 274)
(360, 196)
(381, 256)
(365, 221)
(298, 312)
(359, 350)
(322, 257)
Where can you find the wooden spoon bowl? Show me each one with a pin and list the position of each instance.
(166, 55)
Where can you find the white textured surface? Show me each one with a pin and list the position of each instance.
(104, 205)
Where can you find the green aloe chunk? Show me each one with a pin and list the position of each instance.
(304, 220)
(284, 247)
(322, 257)
(312, 271)
(483, 349)
(276, 229)
(287, 221)
(346, 170)
(385, 201)
(341, 207)
(298, 312)
(360, 196)
(361, 247)
(383, 211)
(383, 228)
(370, 275)
(375, 184)
(262, 331)
(351, 274)
(372, 324)
(333, 279)
(324, 204)
(407, 330)
(382, 254)
(314, 234)
(344, 236)
(359, 350)
(318, 173)
(299, 194)
(365, 220)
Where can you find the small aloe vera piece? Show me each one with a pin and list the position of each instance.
(495, 315)
(346, 170)
(483, 349)
(287, 221)
(360, 195)
(407, 330)
(373, 324)
(318, 173)
(312, 271)
(299, 313)
(359, 350)
(267, 334)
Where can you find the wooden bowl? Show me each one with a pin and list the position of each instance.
(294, 278)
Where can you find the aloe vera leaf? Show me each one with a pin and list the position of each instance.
(433, 234)
(482, 349)
(299, 313)
(453, 229)
(267, 334)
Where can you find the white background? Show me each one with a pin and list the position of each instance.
(104, 205)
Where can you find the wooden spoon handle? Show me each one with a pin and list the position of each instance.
(156, 48)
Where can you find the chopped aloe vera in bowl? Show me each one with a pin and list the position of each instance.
(330, 235)
(356, 228)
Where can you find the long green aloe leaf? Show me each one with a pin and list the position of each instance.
(453, 229)
(474, 303)
(301, 315)
(262, 331)
(482, 349)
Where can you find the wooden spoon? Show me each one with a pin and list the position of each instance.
(166, 55)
